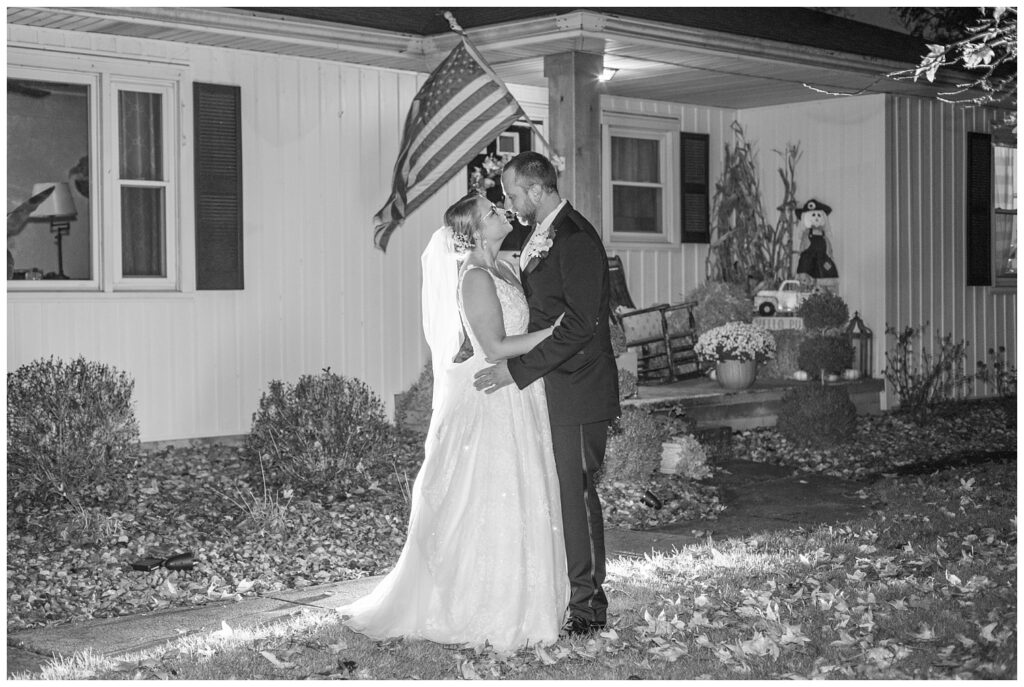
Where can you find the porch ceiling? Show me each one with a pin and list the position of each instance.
(719, 57)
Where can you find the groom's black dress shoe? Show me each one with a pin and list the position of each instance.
(578, 627)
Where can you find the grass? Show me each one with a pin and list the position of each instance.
(924, 587)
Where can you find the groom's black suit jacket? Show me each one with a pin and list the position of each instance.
(576, 362)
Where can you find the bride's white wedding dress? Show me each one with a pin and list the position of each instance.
(484, 557)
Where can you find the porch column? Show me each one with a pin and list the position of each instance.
(574, 128)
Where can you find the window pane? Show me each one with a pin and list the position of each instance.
(636, 209)
(142, 232)
(635, 159)
(48, 141)
(1005, 177)
(1006, 244)
(140, 135)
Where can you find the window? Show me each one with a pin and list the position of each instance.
(639, 162)
(106, 133)
(991, 212)
(1004, 230)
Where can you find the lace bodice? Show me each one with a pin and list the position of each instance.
(515, 312)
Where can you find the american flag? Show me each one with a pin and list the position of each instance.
(461, 108)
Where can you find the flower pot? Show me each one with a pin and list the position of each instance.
(736, 374)
(851, 374)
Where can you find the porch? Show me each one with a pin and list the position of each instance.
(712, 406)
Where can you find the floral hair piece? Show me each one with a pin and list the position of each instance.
(462, 243)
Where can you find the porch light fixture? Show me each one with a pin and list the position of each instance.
(860, 337)
(606, 74)
(58, 210)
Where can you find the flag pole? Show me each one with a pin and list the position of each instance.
(497, 79)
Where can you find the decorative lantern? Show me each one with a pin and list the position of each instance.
(860, 337)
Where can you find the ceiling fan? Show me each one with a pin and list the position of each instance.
(27, 88)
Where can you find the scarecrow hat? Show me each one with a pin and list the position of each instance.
(813, 204)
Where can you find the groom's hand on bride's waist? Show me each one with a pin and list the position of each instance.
(492, 378)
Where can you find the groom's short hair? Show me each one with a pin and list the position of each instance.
(533, 168)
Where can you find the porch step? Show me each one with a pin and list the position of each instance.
(711, 406)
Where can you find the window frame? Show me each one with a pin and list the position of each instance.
(666, 132)
(105, 78)
(999, 281)
(169, 172)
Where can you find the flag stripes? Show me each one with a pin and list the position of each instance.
(460, 108)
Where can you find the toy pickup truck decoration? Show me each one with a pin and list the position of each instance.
(783, 301)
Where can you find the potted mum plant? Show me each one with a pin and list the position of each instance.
(736, 348)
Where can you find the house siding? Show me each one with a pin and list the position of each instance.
(665, 274)
(319, 144)
(926, 257)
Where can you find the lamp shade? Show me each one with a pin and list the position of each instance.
(59, 205)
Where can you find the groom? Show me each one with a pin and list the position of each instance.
(565, 270)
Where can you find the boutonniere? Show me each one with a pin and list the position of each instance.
(539, 245)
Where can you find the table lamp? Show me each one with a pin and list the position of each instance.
(58, 210)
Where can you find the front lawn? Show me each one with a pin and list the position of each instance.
(922, 588)
(66, 566)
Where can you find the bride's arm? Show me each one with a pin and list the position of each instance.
(483, 310)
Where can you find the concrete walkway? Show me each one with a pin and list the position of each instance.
(758, 498)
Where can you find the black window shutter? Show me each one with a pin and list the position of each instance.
(218, 176)
(979, 209)
(696, 212)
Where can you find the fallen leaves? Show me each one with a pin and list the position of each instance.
(61, 569)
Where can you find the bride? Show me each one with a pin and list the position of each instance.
(484, 557)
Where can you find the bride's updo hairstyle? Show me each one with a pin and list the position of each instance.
(463, 217)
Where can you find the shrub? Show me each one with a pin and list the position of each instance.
(618, 337)
(320, 433)
(634, 444)
(1000, 376)
(828, 354)
(413, 406)
(627, 384)
(823, 310)
(817, 415)
(71, 429)
(787, 349)
(921, 381)
(719, 303)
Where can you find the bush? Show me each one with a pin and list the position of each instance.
(1000, 376)
(817, 415)
(823, 310)
(828, 354)
(618, 337)
(319, 434)
(924, 380)
(634, 444)
(787, 350)
(414, 406)
(71, 429)
(627, 385)
(719, 303)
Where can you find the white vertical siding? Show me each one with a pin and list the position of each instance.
(666, 274)
(319, 144)
(842, 164)
(926, 260)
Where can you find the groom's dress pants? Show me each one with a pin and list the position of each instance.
(579, 454)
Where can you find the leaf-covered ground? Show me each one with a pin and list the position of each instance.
(891, 443)
(922, 587)
(64, 566)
